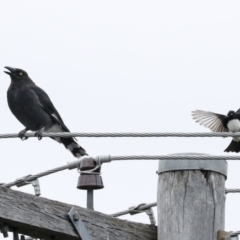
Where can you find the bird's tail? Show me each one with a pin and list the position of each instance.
(233, 147)
(72, 146)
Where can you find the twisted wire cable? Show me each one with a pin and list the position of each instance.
(191, 157)
(127, 134)
(104, 159)
(233, 190)
(28, 179)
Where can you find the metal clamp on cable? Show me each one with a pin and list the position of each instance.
(35, 183)
(76, 164)
(103, 159)
(135, 209)
(22, 181)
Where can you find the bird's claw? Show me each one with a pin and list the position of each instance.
(22, 136)
(38, 134)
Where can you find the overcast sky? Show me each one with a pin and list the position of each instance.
(118, 66)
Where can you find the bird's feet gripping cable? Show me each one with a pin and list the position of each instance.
(21, 134)
(38, 133)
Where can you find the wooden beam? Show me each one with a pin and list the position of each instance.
(42, 218)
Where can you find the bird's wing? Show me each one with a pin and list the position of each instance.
(46, 103)
(213, 121)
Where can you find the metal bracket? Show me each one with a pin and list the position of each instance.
(78, 225)
(36, 186)
(150, 214)
(135, 209)
(35, 183)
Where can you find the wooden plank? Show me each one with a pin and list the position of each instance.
(42, 218)
(191, 205)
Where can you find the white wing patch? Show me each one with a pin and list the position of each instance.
(55, 128)
(54, 115)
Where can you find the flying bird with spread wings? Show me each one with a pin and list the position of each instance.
(34, 109)
(221, 123)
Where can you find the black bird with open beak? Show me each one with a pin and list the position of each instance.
(221, 123)
(34, 109)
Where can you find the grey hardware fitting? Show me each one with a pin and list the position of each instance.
(219, 166)
(78, 225)
(139, 209)
(136, 209)
(35, 183)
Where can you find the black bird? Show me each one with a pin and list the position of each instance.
(34, 109)
(221, 123)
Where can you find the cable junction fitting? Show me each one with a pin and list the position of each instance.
(143, 207)
(127, 134)
(33, 179)
(107, 158)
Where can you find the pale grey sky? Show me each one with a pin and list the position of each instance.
(112, 66)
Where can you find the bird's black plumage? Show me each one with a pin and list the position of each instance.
(221, 123)
(34, 109)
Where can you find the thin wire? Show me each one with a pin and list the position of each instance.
(234, 190)
(101, 159)
(127, 134)
(191, 157)
(234, 234)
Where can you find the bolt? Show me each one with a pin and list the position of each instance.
(5, 234)
(4, 231)
(75, 216)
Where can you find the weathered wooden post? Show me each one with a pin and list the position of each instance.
(191, 199)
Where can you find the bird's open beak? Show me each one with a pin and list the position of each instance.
(12, 71)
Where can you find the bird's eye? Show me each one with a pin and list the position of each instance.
(20, 73)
